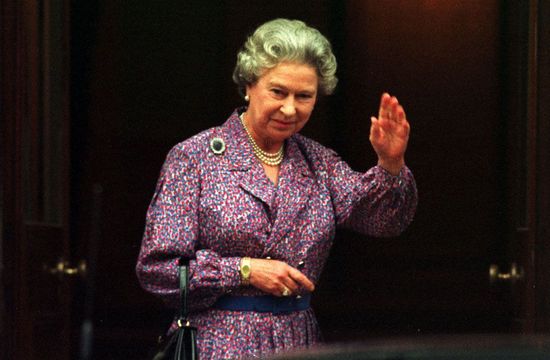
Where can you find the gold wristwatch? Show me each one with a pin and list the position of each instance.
(245, 271)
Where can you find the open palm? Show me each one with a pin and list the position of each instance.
(389, 134)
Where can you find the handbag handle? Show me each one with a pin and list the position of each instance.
(183, 342)
(184, 288)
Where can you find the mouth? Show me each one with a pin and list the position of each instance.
(283, 123)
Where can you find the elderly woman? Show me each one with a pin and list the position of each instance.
(255, 204)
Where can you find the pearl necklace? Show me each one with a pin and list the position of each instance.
(271, 159)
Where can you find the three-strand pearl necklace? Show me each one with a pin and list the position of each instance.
(271, 159)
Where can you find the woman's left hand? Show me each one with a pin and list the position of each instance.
(273, 277)
(389, 134)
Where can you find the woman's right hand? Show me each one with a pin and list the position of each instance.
(274, 276)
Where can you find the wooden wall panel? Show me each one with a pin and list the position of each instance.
(441, 59)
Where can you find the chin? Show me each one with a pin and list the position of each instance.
(282, 136)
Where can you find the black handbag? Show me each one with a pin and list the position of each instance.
(182, 344)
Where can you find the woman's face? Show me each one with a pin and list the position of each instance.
(281, 102)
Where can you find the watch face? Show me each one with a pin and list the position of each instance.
(245, 270)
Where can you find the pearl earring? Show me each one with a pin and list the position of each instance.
(246, 98)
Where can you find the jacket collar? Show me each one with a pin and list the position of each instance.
(240, 156)
(239, 151)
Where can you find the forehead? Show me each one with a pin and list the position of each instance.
(295, 76)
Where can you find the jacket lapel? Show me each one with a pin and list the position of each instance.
(256, 183)
(248, 173)
(295, 186)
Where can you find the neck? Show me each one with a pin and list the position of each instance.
(268, 145)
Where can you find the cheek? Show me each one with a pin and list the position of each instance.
(300, 124)
(305, 114)
(269, 108)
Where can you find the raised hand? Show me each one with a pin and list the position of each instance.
(389, 134)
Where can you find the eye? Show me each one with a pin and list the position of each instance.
(277, 92)
(305, 96)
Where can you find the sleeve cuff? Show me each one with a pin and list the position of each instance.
(230, 268)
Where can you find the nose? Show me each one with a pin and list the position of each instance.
(288, 108)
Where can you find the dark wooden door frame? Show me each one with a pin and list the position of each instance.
(541, 202)
(34, 174)
(13, 65)
(534, 227)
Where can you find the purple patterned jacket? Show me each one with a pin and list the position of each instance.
(219, 208)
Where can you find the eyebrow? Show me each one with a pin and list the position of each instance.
(278, 84)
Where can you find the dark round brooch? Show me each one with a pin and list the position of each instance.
(217, 145)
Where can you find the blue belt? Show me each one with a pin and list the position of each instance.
(272, 304)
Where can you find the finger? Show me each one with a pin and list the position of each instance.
(375, 131)
(392, 109)
(400, 114)
(290, 284)
(284, 285)
(301, 279)
(384, 104)
(401, 119)
(389, 107)
(406, 128)
(385, 99)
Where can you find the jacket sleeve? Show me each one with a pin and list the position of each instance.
(374, 203)
(171, 231)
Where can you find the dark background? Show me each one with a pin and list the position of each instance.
(146, 75)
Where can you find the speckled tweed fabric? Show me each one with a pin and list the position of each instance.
(217, 208)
